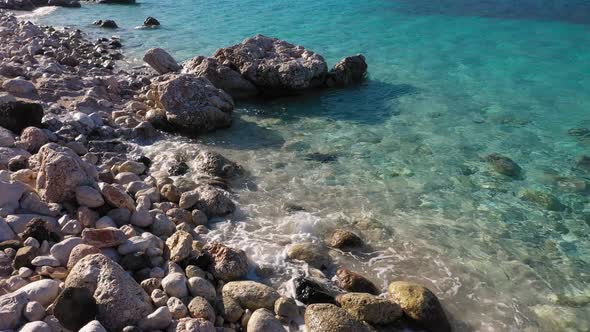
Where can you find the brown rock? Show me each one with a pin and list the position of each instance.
(369, 308)
(80, 251)
(342, 238)
(226, 263)
(354, 282)
(117, 197)
(103, 238)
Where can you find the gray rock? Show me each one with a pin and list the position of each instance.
(35, 327)
(174, 284)
(161, 61)
(34, 311)
(61, 251)
(350, 70)
(202, 287)
(121, 301)
(370, 308)
(200, 308)
(157, 320)
(6, 233)
(311, 253)
(263, 320)
(330, 318)
(93, 326)
(89, 197)
(177, 308)
(250, 294)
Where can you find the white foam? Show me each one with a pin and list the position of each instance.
(39, 12)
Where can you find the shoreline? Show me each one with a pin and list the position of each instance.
(112, 208)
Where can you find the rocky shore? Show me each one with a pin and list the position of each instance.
(92, 238)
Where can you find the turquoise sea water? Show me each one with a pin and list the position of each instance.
(449, 81)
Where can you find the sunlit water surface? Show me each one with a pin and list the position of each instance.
(450, 81)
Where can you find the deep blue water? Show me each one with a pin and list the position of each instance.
(450, 81)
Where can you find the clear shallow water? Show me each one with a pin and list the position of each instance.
(450, 81)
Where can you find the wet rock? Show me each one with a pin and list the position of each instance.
(226, 263)
(192, 104)
(330, 318)
(221, 76)
(161, 61)
(342, 238)
(213, 201)
(180, 168)
(311, 253)
(542, 199)
(263, 320)
(420, 304)
(323, 158)
(75, 307)
(369, 308)
(117, 197)
(214, 164)
(180, 245)
(583, 164)
(350, 70)
(200, 308)
(109, 24)
(273, 65)
(61, 171)
(121, 301)
(503, 165)
(250, 294)
(354, 282)
(150, 21)
(17, 115)
(286, 309)
(309, 291)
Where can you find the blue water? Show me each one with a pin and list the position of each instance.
(450, 81)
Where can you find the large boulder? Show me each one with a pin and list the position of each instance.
(17, 115)
(420, 304)
(161, 61)
(275, 66)
(221, 76)
(330, 318)
(350, 70)
(61, 171)
(121, 300)
(191, 104)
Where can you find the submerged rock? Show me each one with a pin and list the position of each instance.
(504, 165)
(420, 304)
(542, 199)
(309, 291)
(354, 282)
(192, 104)
(313, 254)
(161, 61)
(275, 66)
(342, 238)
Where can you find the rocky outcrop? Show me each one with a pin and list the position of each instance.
(420, 304)
(61, 171)
(275, 66)
(161, 61)
(221, 76)
(350, 70)
(121, 301)
(190, 104)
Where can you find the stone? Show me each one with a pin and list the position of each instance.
(61, 171)
(199, 218)
(105, 222)
(263, 320)
(10, 194)
(159, 297)
(75, 307)
(226, 263)
(342, 238)
(192, 104)
(7, 138)
(80, 251)
(420, 304)
(32, 138)
(162, 225)
(309, 291)
(89, 197)
(124, 178)
(141, 218)
(174, 284)
(250, 294)
(504, 165)
(11, 308)
(61, 251)
(180, 245)
(34, 311)
(170, 192)
(19, 222)
(93, 326)
(24, 256)
(104, 238)
(10, 156)
(200, 308)
(35, 327)
(117, 197)
(350, 70)
(313, 254)
(542, 199)
(39, 229)
(157, 320)
(6, 233)
(188, 199)
(354, 282)
(215, 165)
(121, 301)
(17, 115)
(45, 261)
(221, 76)
(275, 66)
(109, 24)
(369, 308)
(195, 325)
(135, 261)
(161, 61)
(177, 308)
(583, 163)
(179, 216)
(286, 308)
(43, 291)
(330, 318)
(150, 21)
(202, 287)
(20, 87)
